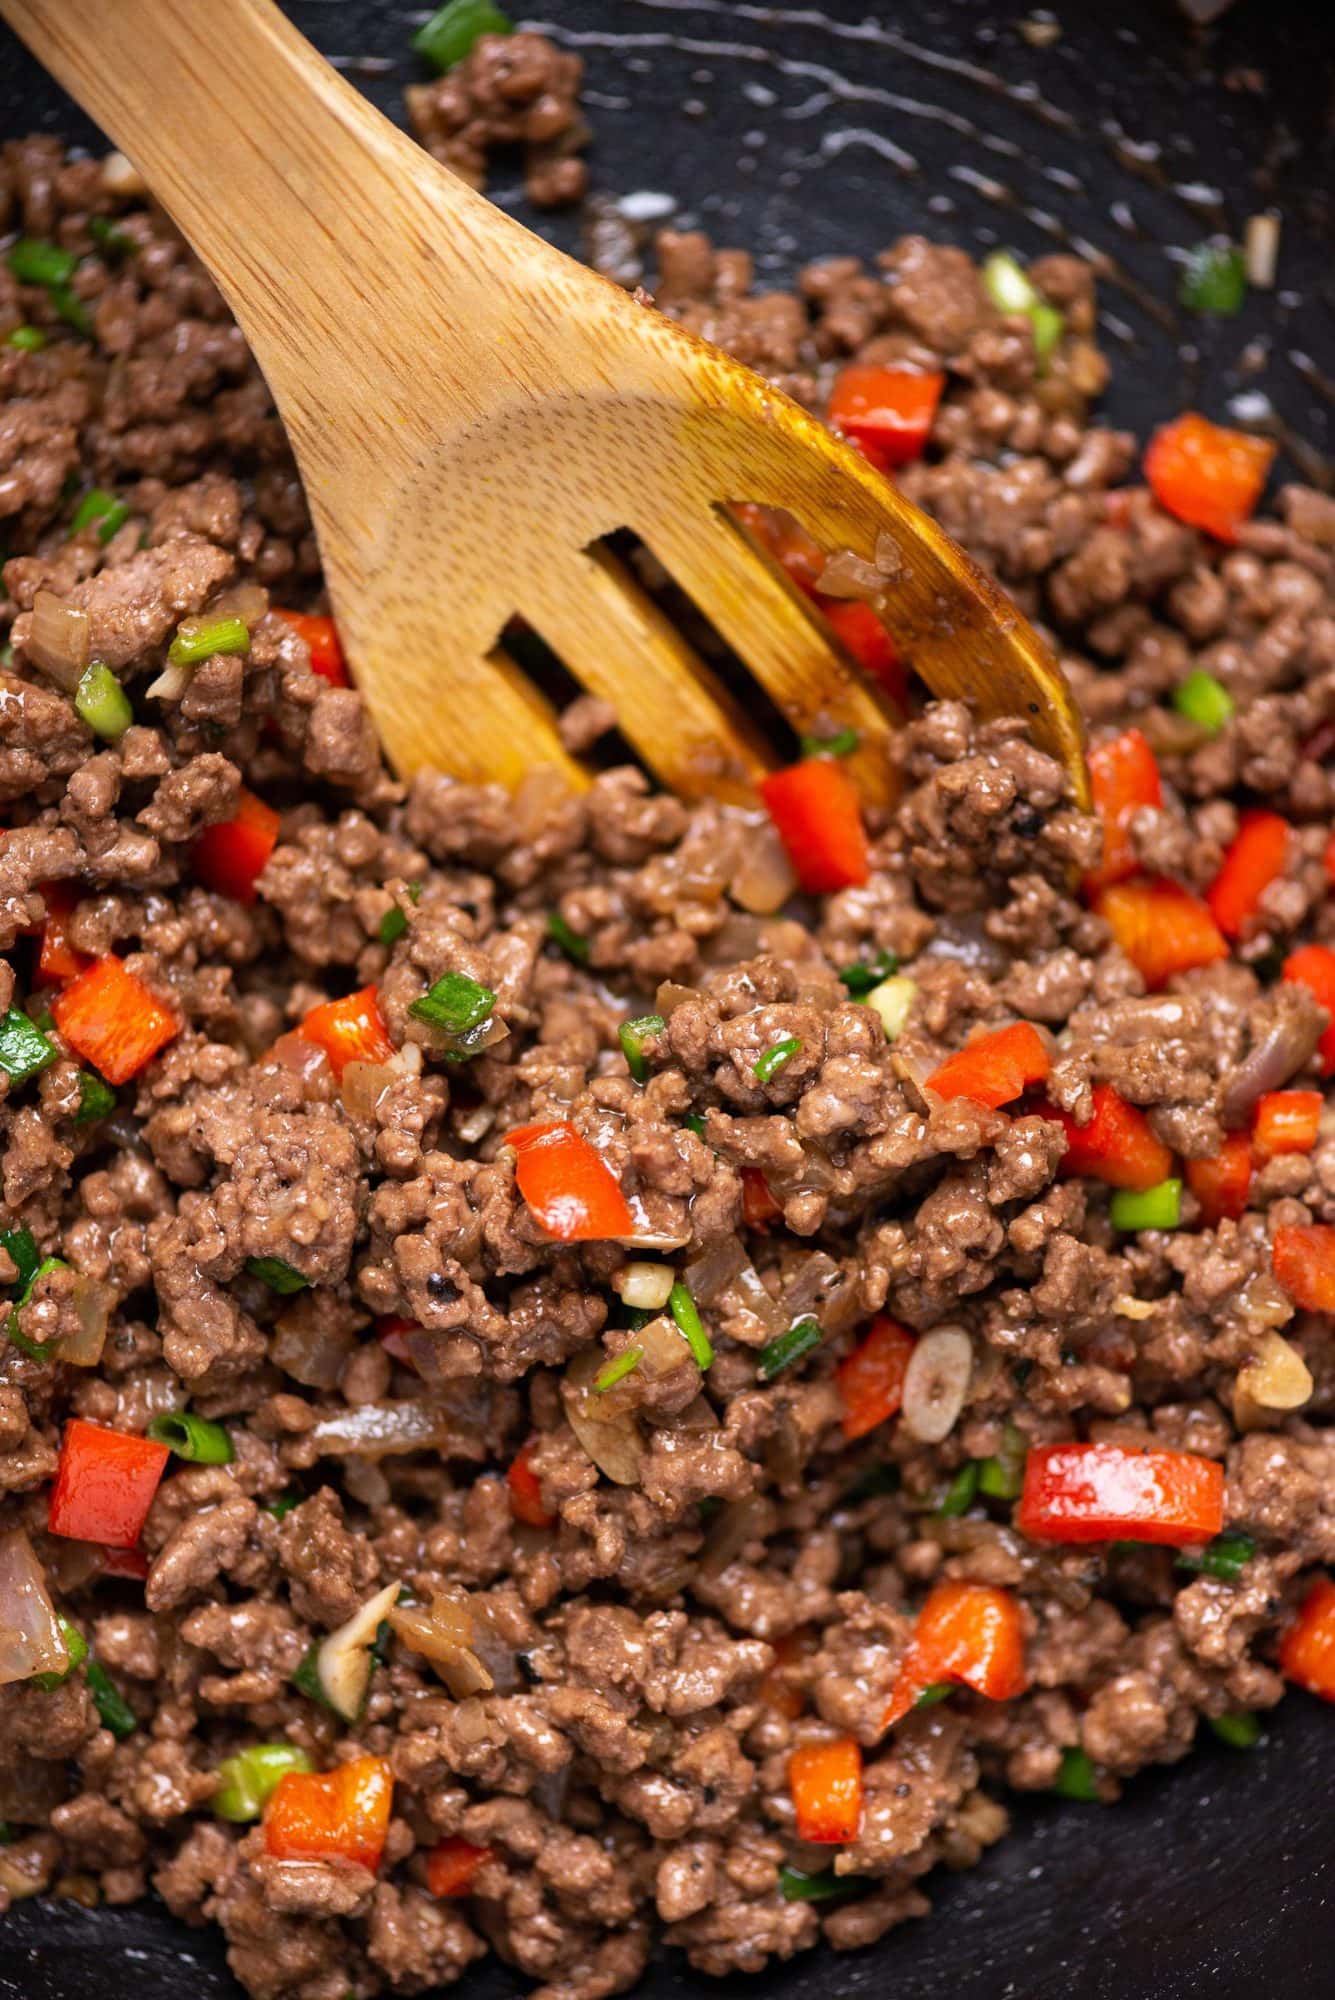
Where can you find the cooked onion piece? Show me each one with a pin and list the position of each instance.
(344, 1660)
(30, 1640)
(613, 1443)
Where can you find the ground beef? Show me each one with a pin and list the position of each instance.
(650, 1598)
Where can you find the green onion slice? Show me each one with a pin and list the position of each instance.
(191, 1437)
(1241, 1731)
(962, 1491)
(1214, 280)
(1077, 1778)
(694, 1123)
(572, 944)
(1225, 1557)
(36, 261)
(827, 1887)
(455, 1004)
(200, 638)
(861, 978)
(21, 1247)
(938, 1691)
(775, 1058)
(278, 1275)
(102, 702)
(282, 1506)
(1147, 1208)
(115, 1711)
(110, 240)
(96, 1099)
(393, 924)
(1001, 1477)
(76, 1646)
(28, 339)
(686, 1313)
(617, 1369)
(247, 1780)
(801, 1337)
(104, 508)
(842, 744)
(632, 1036)
(1204, 701)
(24, 1049)
(453, 30)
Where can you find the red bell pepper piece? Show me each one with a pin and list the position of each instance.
(57, 960)
(113, 1020)
(861, 633)
(338, 1815)
(1124, 777)
(972, 1633)
(1162, 928)
(1307, 1650)
(392, 1333)
(1116, 1146)
(787, 541)
(322, 642)
(452, 1864)
(1287, 1121)
(230, 857)
(887, 412)
(349, 1030)
(995, 1068)
(1302, 1257)
(105, 1482)
(1255, 858)
(759, 1207)
(871, 1378)
(125, 1562)
(574, 1196)
(1313, 966)
(815, 807)
(1206, 475)
(775, 1690)
(1223, 1184)
(825, 1780)
(525, 1493)
(1111, 1492)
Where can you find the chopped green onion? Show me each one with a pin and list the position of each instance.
(28, 339)
(307, 1676)
(617, 1369)
(249, 1778)
(393, 924)
(71, 308)
(96, 1099)
(774, 1059)
(893, 1000)
(1241, 1731)
(1001, 1477)
(694, 1123)
(1076, 1778)
(796, 1887)
(110, 240)
(572, 944)
(1147, 1208)
(1013, 292)
(938, 1691)
(36, 261)
(207, 637)
(860, 979)
(1214, 280)
(24, 1049)
(104, 508)
(102, 702)
(23, 1254)
(110, 1703)
(842, 744)
(690, 1325)
(801, 1337)
(191, 1437)
(282, 1506)
(873, 1484)
(455, 1003)
(1204, 701)
(76, 1646)
(278, 1275)
(452, 31)
(632, 1036)
(1225, 1557)
(1048, 327)
(961, 1492)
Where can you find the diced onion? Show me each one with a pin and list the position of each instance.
(344, 1660)
(847, 575)
(246, 601)
(58, 639)
(705, 1277)
(664, 1346)
(671, 994)
(614, 1444)
(444, 1634)
(92, 1306)
(740, 1522)
(936, 1382)
(363, 1085)
(766, 878)
(1278, 1378)
(30, 1641)
(644, 1287)
(121, 176)
(172, 682)
(1261, 249)
(379, 1430)
(893, 1001)
(309, 1347)
(542, 792)
(305, 1059)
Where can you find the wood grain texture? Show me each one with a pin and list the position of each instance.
(471, 410)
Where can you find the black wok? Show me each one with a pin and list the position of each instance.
(799, 133)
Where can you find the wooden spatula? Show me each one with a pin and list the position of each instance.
(474, 413)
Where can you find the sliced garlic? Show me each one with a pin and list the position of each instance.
(1278, 1378)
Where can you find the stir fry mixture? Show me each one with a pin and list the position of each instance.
(583, 1370)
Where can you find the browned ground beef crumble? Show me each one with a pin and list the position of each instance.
(626, 1771)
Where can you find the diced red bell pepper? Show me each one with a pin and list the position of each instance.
(105, 1482)
(574, 1196)
(816, 809)
(338, 1815)
(995, 1068)
(1124, 777)
(525, 1493)
(1206, 475)
(57, 960)
(230, 857)
(777, 1692)
(125, 1562)
(862, 634)
(797, 552)
(1116, 1146)
(1163, 929)
(1302, 1256)
(1313, 966)
(825, 1780)
(887, 412)
(1222, 1185)
(1112, 1492)
(759, 1207)
(392, 1332)
(322, 642)
(350, 1030)
(972, 1633)
(871, 1378)
(1307, 1650)
(1255, 858)
(113, 1020)
(1287, 1121)
(452, 1864)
